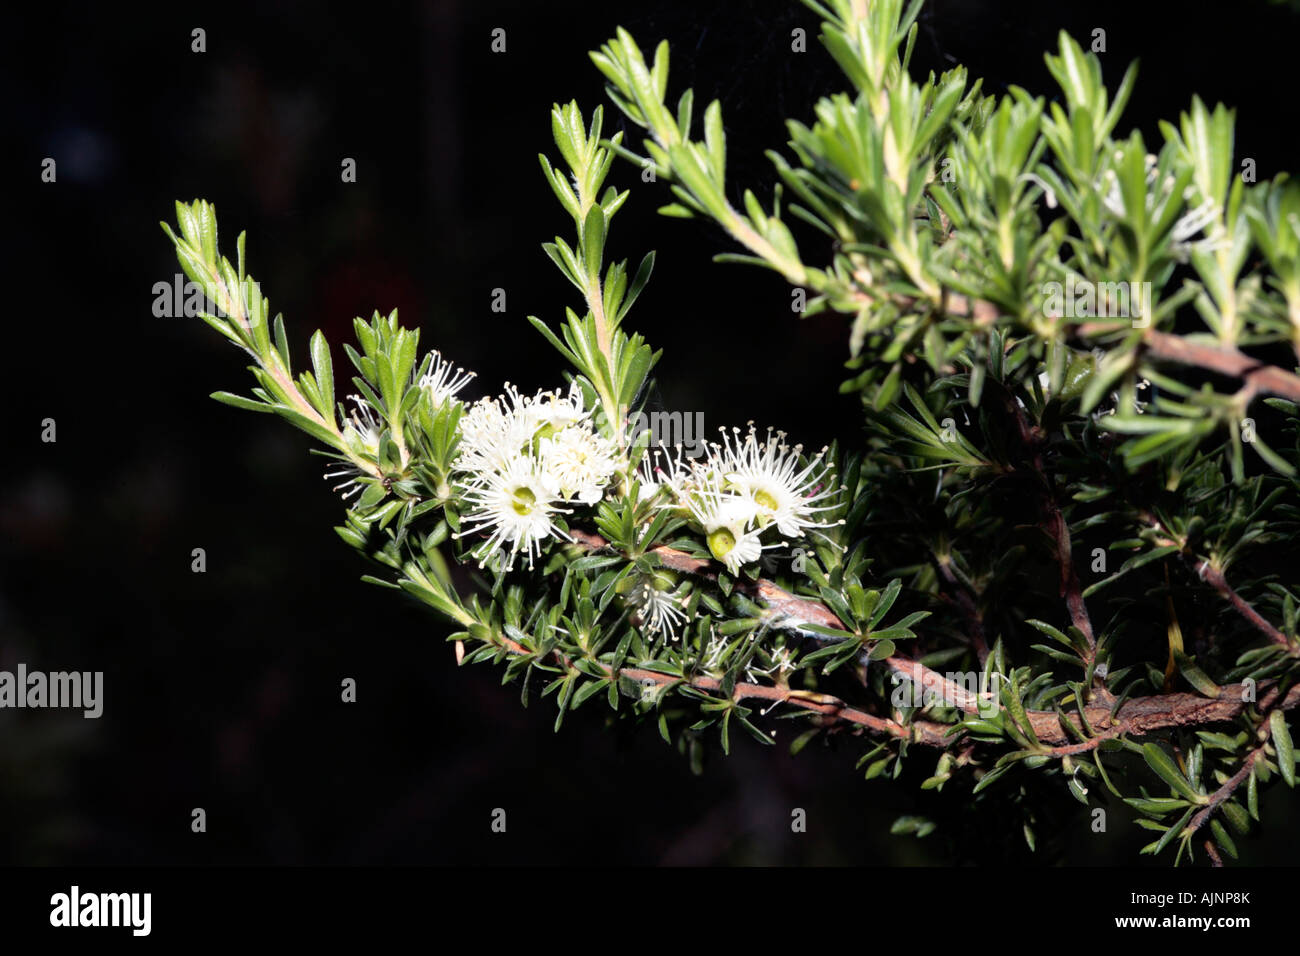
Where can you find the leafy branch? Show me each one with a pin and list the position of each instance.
(894, 591)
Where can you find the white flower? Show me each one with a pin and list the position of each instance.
(362, 429)
(516, 504)
(660, 612)
(550, 409)
(1139, 406)
(713, 653)
(1113, 197)
(1206, 214)
(494, 432)
(361, 433)
(443, 380)
(553, 428)
(671, 471)
(782, 664)
(521, 459)
(744, 486)
(1194, 221)
(647, 477)
(726, 521)
(784, 492)
(580, 461)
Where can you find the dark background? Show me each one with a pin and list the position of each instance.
(222, 688)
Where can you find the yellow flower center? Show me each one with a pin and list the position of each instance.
(721, 542)
(523, 501)
(765, 499)
(663, 580)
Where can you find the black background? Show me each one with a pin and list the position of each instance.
(222, 688)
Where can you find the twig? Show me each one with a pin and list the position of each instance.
(832, 708)
(964, 598)
(1215, 579)
(1226, 360)
(1139, 716)
(1258, 377)
(1224, 792)
(1058, 530)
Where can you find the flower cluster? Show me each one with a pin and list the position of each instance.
(743, 491)
(523, 461)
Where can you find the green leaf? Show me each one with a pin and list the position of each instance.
(887, 598)
(323, 368)
(1156, 806)
(1130, 565)
(559, 346)
(593, 241)
(1173, 831)
(880, 650)
(1236, 816)
(238, 401)
(1221, 837)
(1282, 743)
(715, 140)
(991, 777)
(1195, 676)
(1011, 692)
(1167, 770)
(638, 284)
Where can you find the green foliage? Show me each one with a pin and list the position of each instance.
(1064, 345)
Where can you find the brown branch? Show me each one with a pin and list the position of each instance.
(1224, 792)
(936, 684)
(829, 707)
(1145, 715)
(1057, 529)
(1215, 579)
(1258, 377)
(1139, 716)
